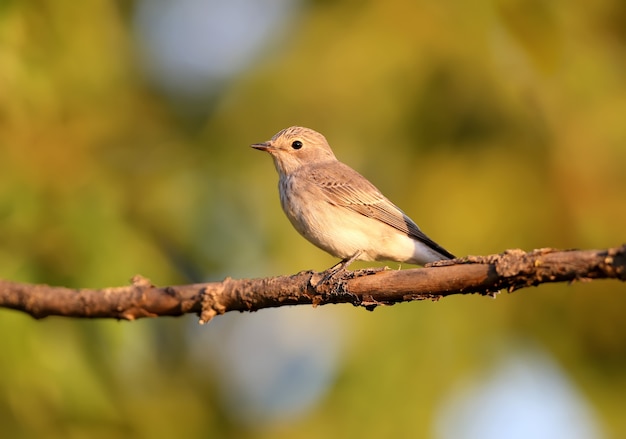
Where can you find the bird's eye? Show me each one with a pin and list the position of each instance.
(296, 144)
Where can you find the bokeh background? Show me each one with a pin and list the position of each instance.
(124, 133)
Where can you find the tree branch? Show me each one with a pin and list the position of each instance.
(486, 275)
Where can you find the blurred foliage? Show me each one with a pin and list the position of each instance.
(494, 124)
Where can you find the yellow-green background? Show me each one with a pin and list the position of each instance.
(494, 124)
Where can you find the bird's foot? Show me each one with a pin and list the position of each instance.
(338, 268)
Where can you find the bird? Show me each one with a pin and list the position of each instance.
(337, 209)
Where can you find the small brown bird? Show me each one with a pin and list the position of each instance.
(338, 209)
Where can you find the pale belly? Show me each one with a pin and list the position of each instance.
(342, 232)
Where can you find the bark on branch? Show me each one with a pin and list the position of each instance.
(369, 288)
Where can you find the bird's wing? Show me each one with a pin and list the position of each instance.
(343, 186)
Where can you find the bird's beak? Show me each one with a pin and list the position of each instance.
(262, 146)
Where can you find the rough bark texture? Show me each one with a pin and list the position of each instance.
(511, 270)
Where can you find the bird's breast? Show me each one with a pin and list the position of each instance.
(335, 229)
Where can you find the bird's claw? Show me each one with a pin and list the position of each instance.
(338, 268)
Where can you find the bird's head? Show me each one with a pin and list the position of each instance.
(295, 147)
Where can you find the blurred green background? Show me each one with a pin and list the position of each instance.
(124, 133)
